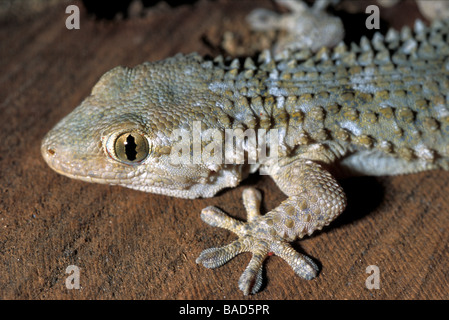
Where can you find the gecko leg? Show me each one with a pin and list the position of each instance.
(314, 200)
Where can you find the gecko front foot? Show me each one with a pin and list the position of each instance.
(256, 236)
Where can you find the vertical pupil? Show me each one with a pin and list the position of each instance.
(130, 148)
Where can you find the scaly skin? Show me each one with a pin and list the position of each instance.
(378, 108)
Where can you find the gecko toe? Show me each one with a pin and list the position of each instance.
(251, 280)
(216, 257)
(301, 264)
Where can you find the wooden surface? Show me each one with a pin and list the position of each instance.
(133, 245)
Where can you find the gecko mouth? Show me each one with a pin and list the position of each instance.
(75, 170)
(87, 168)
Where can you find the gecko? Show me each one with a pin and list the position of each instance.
(378, 107)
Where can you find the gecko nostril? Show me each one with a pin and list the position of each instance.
(51, 151)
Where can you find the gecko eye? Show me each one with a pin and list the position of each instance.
(131, 147)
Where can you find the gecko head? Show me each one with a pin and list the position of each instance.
(125, 132)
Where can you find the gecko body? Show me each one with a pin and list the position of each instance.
(376, 108)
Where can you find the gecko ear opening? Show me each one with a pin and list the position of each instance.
(112, 83)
